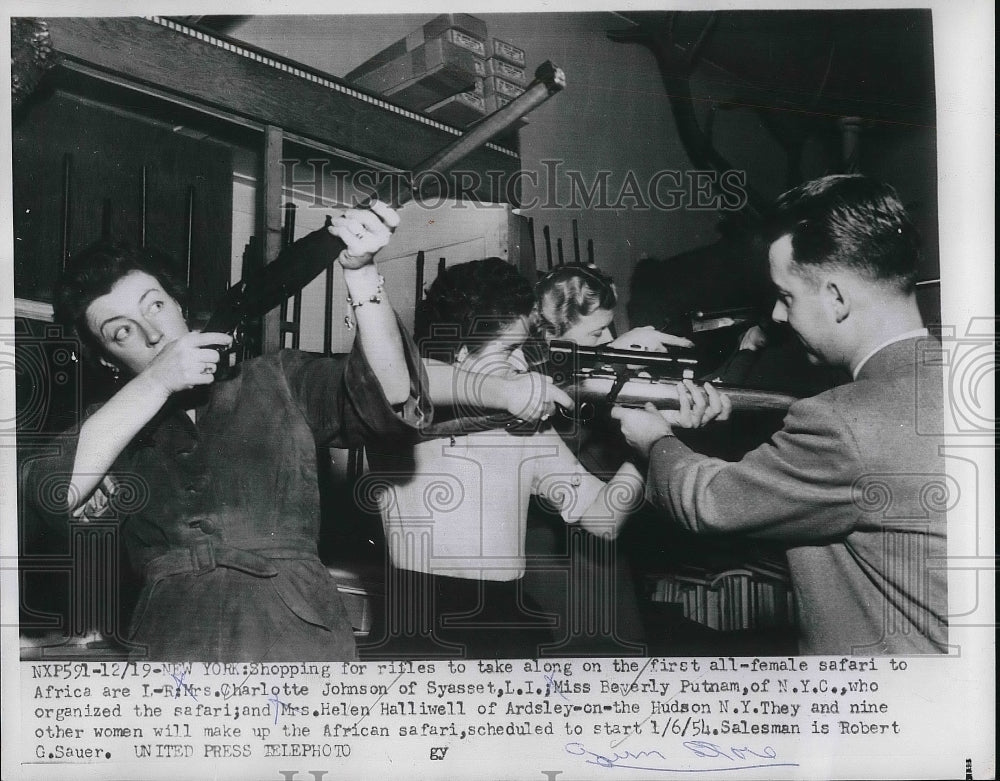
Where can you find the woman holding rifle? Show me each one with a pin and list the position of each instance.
(576, 303)
(219, 472)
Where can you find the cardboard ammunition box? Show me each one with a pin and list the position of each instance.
(459, 110)
(466, 23)
(427, 74)
(465, 31)
(496, 86)
(507, 52)
(504, 70)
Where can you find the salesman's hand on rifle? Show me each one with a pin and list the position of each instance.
(697, 406)
(364, 231)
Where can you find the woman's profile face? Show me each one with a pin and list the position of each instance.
(502, 354)
(135, 321)
(591, 329)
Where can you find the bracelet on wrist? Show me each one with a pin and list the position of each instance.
(360, 298)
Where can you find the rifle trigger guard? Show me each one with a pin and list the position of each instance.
(622, 375)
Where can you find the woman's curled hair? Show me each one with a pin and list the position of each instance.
(470, 304)
(566, 295)
(94, 270)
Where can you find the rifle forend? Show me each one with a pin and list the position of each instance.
(602, 377)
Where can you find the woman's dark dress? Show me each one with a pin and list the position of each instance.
(222, 516)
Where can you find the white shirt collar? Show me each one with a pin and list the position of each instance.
(914, 334)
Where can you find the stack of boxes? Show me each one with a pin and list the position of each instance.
(449, 69)
(505, 74)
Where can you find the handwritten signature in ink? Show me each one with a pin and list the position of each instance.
(655, 761)
(182, 687)
(278, 704)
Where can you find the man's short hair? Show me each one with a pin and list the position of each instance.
(852, 222)
(471, 304)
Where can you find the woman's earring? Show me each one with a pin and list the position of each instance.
(115, 373)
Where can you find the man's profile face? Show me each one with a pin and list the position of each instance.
(801, 303)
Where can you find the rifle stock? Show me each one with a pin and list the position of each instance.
(295, 267)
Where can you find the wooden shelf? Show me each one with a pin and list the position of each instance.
(229, 79)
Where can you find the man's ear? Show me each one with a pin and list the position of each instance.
(838, 299)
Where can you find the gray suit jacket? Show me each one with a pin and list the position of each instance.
(854, 484)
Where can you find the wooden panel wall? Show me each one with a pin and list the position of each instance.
(264, 90)
(117, 173)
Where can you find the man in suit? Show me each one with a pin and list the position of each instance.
(854, 483)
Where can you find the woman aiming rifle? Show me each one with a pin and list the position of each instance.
(220, 471)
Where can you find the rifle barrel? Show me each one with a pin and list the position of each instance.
(302, 261)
